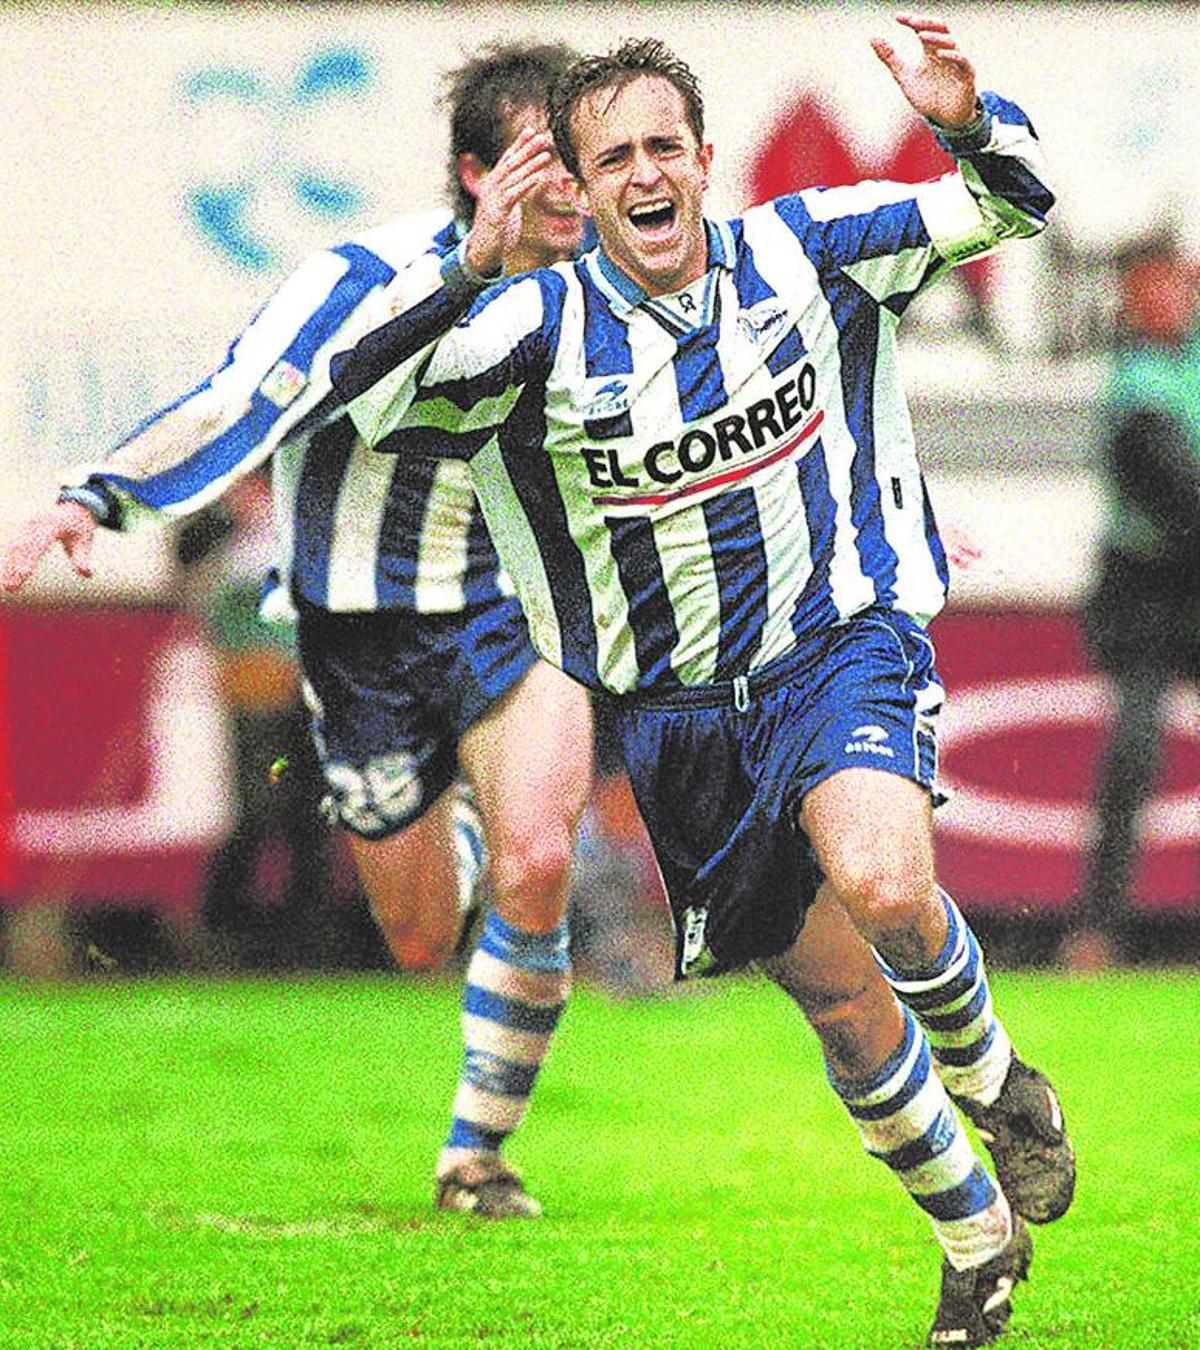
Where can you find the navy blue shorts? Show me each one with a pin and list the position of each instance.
(392, 693)
(719, 773)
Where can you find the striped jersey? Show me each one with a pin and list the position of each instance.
(355, 531)
(684, 487)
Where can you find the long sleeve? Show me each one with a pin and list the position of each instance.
(441, 374)
(894, 238)
(274, 379)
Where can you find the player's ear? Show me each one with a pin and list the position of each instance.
(471, 173)
(706, 159)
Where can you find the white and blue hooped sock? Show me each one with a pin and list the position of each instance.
(517, 985)
(953, 1002)
(907, 1121)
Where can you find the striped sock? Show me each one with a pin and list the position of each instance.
(517, 985)
(907, 1121)
(953, 1002)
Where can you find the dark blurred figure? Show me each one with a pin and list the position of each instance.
(1143, 618)
(268, 899)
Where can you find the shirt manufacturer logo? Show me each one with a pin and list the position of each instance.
(869, 740)
(609, 400)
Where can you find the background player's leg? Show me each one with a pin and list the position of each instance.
(411, 880)
(1126, 777)
(529, 761)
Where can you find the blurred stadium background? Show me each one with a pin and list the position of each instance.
(167, 164)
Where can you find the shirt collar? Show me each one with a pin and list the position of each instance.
(624, 292)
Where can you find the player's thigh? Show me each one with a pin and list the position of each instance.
(529, 758)
(871, 829)
(386, 753)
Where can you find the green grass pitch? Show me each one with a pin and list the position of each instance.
(247, 1163)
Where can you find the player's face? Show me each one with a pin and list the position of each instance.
(643, 175)
(551, 224)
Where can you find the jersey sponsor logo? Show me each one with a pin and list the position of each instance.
(283, 384)
(723, 450)
(869, 740)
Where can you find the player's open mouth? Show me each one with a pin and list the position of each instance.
(653, 218)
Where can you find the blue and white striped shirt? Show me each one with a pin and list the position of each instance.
(355, 531)
(685, 486)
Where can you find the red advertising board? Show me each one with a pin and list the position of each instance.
(1025, 724)
(114, 773)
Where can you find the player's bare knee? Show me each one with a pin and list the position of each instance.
(419, 952)
(530, 878)
(881, 896)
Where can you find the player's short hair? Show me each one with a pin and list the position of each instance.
(634, 58)
(482, 95)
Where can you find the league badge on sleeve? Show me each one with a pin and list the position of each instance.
(283, 384)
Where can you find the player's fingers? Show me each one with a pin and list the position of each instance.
(21, 559)
(888, 54)
(528, 145)
(923, 22)
(520, 182)
(958, 60)
(79, 550)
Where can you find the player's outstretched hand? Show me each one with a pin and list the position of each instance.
(66, 523)
(940, 82)
(498, 196)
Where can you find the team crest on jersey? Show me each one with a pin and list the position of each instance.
(611, 398)
(283, 384)
(762, 322)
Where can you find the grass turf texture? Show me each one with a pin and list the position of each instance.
(193, 1163)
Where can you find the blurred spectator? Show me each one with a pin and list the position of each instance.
(1143, 617)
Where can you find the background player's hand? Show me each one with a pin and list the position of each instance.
(962, 551)
(940, 81)
(66, 523)
(498, 195)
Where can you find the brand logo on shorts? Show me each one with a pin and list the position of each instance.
(869, 740)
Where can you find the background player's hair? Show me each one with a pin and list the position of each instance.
(485, 92)
(633, 58)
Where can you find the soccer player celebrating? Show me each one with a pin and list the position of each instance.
(693, 450)
(415, 654)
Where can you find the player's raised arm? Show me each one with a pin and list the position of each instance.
(895, 238)
(380, 378)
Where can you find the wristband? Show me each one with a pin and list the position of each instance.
(95, 497)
